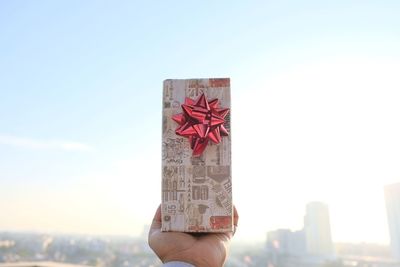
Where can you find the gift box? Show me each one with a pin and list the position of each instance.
(196, 156)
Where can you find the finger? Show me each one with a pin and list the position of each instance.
(235, 217)
(229, 235)
(235, 220)
(157, 215)
(156, 224)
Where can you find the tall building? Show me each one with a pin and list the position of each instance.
(392, 198)
(318, 230)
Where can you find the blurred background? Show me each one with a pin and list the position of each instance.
(315, 126)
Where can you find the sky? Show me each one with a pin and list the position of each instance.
(315, 110)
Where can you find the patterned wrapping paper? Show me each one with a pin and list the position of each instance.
(196, 190)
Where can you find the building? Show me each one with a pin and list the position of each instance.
(287, 243)
(317, 230)
(285, 247)
(392, 198)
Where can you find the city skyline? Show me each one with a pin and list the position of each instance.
(80, 110)
(18, 249)
(311, 245)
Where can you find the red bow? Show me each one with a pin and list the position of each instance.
(201, 121)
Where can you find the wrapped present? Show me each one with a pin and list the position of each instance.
(196, 156)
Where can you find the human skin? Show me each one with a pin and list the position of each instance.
(201, 250)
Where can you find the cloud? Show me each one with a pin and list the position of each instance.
(43, 144)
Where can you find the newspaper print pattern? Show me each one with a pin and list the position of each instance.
(196, 191)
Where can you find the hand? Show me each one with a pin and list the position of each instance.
(200, 249)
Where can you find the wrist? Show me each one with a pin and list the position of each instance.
(193, 260)
(177, 264)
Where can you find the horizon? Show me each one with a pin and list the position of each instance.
(314, 110)
(235, 242)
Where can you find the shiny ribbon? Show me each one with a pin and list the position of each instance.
(201, 121)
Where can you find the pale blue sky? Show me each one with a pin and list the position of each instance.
(91, 72)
